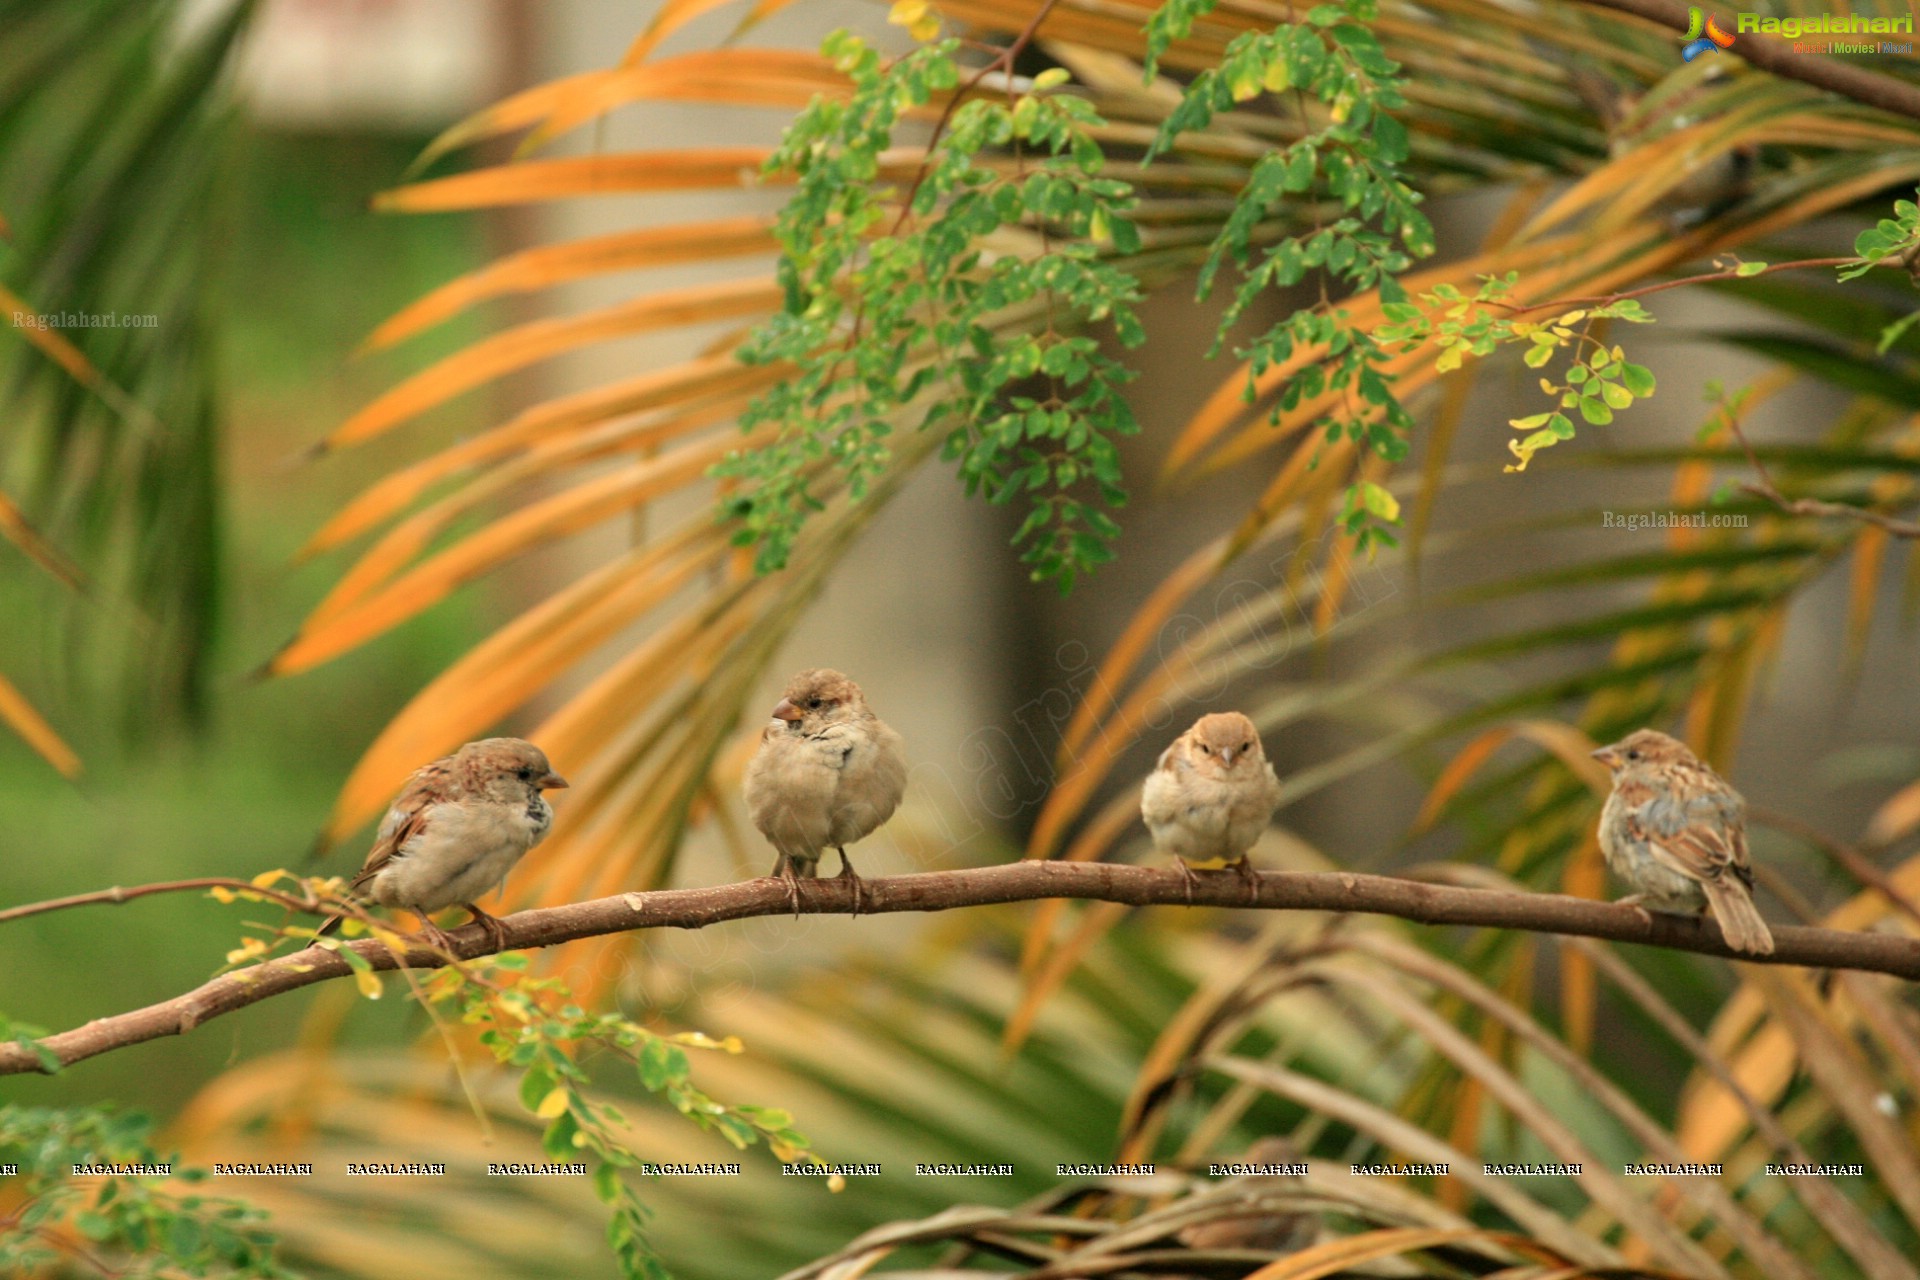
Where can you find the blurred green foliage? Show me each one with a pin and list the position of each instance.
(306, 272)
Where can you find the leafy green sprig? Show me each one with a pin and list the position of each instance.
(898, 305)
(1895, 237)
(534, 1026)
(1598, 379)
(1344, 87)
(128, 1225)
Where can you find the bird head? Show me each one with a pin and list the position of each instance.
(507, 769)
(1644, 747)
(1226, 742)
(817, 698)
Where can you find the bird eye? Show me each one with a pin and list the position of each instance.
(1633, 754)
(1205, 748)
(526, 774)
(813, 704)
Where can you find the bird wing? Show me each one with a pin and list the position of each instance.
(1269, 789)
(869, 765)
(1698, 834)
(1160, 798)
(880, 786)
(406, 820)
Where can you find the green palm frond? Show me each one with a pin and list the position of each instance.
(115, 117)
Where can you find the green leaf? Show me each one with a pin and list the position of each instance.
(1893, 332)
(653, 1065)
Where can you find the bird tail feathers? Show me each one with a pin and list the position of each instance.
(1739, 919)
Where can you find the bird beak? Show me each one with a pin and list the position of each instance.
(1608, 757)
(553, 782)
(785, 710)
(1226, 756)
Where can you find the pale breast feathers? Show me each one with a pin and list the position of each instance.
(789, 786)
(871, 778)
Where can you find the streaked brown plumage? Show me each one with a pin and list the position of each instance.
(1675, 832)
(1261, 1219)
(828, 773)
(456, 829)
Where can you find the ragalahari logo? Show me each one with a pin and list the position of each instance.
(1703, 34)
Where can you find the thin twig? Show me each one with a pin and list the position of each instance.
(1705, 277)
(1856, 864)
(1025, 881)
(1003, 62)
(117, 895)
(1767, 491)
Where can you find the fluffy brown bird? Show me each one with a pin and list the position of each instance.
(1712, 178)
(1676, 834)
(828, 772)
(1263, 1181)
(455, 831)
(1211, 795)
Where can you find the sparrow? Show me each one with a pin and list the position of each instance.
(455, 831)
(827, 772)
(1211, 795)
(1676, 834)
(1711, 183)
(1262, 1225)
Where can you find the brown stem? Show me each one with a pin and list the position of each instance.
(118, 895)
(1815, 507)
(1856, 863)
(1025, 881)
(1765, 489)
(1849, 80)
(1705, 277)
(1002, 62)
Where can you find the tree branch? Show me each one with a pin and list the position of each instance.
(118, 895)
(1766, 490)
(1025, 881)
(1705, 277)
(1851, 860)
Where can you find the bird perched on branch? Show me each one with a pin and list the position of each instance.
(455, 831)
(1211, 795)
(1256, 1213)
(1713, 174)
(1676, 834)
(828, 772)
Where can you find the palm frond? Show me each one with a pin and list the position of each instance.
(117, 125)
